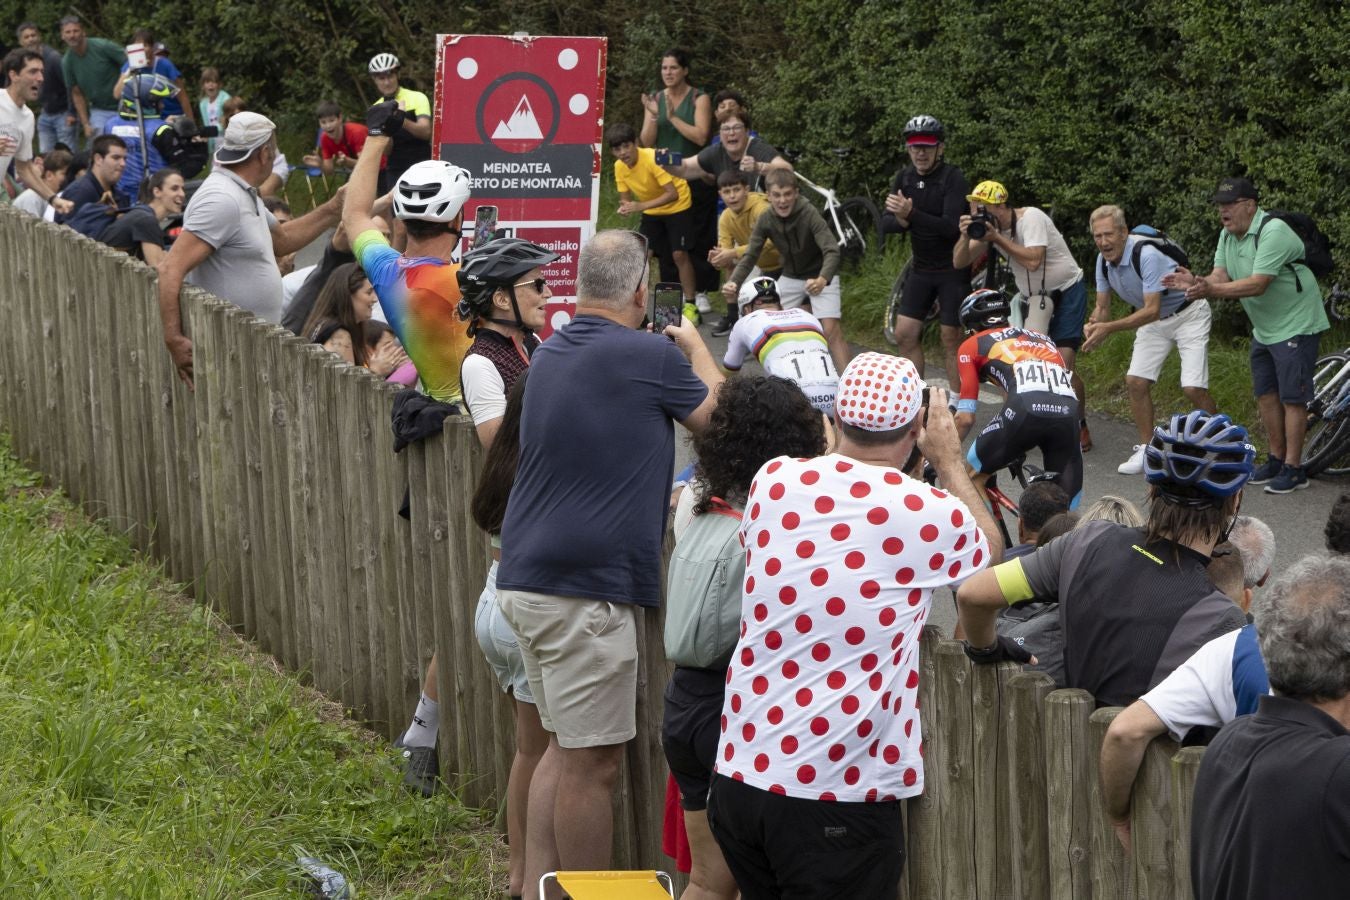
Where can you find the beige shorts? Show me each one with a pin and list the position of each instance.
(1188, 332)
(581, 662)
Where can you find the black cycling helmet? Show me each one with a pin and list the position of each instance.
(924, 125)
(497, 264)
(1207, 453)
(757, 290)
(985, 308)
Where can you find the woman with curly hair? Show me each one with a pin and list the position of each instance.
(756, 419)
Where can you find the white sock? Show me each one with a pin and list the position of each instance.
(426, 721)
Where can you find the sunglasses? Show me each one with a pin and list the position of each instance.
(539, 284)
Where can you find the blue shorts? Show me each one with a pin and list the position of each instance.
(1066, 325)
(1285, 367)
(499, 643)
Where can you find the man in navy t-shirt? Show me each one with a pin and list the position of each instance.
(583, 532)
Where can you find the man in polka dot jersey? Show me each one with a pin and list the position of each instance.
(820, 730)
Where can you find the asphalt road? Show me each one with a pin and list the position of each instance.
(1297, 519)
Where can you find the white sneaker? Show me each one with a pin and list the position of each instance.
(703, 303)
(1135, 464)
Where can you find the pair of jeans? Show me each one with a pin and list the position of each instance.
(52, 129)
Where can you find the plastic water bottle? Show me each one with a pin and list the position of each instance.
(325, 881)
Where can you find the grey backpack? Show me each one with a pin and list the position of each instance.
(1036, 627)
(703, 590)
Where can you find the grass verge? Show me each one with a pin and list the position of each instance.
(149, 752)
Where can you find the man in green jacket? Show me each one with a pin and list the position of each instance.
(810, 257)
(1259, 263)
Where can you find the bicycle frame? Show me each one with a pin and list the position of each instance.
(831, 199)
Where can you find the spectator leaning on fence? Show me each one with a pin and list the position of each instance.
(1134, 603)
(821, 737)
(1259, 263)
(1271, 815)
(23, 69)
(230, 243)
(583, 532)
(1222, 680)
(1133, 267)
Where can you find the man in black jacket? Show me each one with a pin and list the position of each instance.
(927, 199)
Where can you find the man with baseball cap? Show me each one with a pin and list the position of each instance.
(1043, 269)
(927, 200)
(1259, 262)
(230, 243)
(821, 723)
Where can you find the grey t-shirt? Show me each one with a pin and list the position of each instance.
(227, 213)
(715, 160)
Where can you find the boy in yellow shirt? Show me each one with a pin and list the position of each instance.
(743, 209)
(644, 187)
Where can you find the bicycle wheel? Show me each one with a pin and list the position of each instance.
(1328, 377)
(1338, 304)
(861, 226)
(1329, 445)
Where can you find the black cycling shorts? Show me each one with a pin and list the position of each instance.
(691, 729)
(1047, 422)
(947, 288)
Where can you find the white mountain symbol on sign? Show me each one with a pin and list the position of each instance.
(523, 126)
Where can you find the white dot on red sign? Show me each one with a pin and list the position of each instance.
(567, 59)
(467, 68)
(578, 104)
(559, 318)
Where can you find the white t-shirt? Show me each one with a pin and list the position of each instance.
(292, 283)
(1221, 681)
(18, 124)
(483, 387)
(789, 343)
(1059, 271)
(841, 561)
(31, 203)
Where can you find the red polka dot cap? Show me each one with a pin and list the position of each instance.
(879, 392)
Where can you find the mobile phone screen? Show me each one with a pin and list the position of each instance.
(484, 225)
(669, 304)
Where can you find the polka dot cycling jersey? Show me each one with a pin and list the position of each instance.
(841, 561)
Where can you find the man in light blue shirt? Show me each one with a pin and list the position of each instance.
(1133, 267)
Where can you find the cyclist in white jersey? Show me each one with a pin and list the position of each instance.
(789, 343)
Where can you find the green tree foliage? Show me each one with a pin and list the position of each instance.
(1144, 103)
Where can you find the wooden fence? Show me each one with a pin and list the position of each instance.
(272, 495)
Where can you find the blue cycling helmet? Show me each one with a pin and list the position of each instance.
(147, 89)
(1207, 452)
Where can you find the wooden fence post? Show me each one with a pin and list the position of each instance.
(1185, 769)
(1067, 744)
(1112, 874)
(1025, 770)
(924, 813)
(1151, 822)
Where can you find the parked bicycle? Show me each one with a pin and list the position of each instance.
(855, 221)
(984, 272)
(1326, 447)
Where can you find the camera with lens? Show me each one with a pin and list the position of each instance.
(979, 224)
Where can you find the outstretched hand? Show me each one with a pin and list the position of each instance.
(384, 119)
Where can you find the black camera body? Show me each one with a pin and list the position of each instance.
(979, 224)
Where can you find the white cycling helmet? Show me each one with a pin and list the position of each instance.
(382, 62)
(432, 191)
(755, 290)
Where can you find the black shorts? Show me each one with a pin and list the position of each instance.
(948, 288)
(1285, 367)
(1047, 422)
(779, 846)
(691, 729)
(668, 233)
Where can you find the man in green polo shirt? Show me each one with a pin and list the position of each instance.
(91, 68)
(1259, 263)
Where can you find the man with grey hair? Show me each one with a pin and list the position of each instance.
(1133, 266)
(585, 523)
(230, 243)
(1257, 543)
(1272, 800)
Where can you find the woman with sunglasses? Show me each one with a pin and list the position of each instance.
(504, 294)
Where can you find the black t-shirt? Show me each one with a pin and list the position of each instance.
(935, 221)
(715, 160)
(1271, 818)
(136, 226)
(302, 304)
(1131, 611)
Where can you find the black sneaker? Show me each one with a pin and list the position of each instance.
(1290, 479)
(723, 328)
(1267, 471)
(421, 770)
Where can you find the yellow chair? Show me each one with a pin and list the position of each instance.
(644, 885)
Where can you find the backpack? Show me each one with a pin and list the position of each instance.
(703, 590)
(1035, 627)
(1151, 237)
(92, 219)
(1316, 245)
